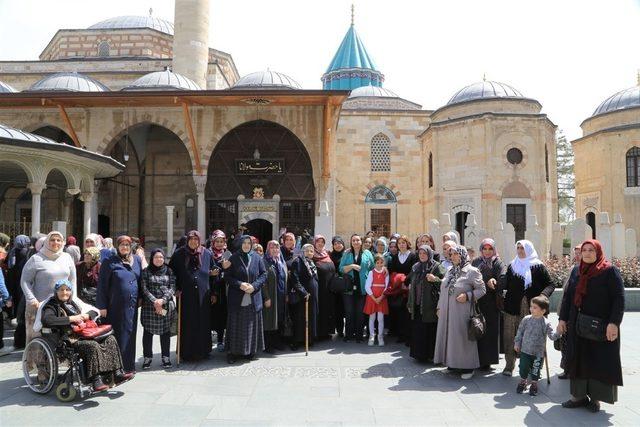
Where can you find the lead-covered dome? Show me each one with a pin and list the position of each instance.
(5, 88)
(266, 80)
(485, 89)
(123, 22)
(377, 98)
(163, 80)
(627, 98)
(68, 82)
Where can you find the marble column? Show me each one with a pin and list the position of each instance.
(86, 199)
(36, 194)
(201, 184)
(169, 229)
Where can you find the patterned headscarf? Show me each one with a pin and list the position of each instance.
(456, 271)
(95, 254)
(451, 235)
(217, 253)
(194, 256)
(320, 256)
(488, 262)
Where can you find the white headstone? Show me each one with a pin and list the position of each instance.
(605, 235)
(434, 230)
(534, 235)
(60, 226)
(580, 231)
(631, 243)
(618, 237)
(557, 238)
(324, 224)
(472, 233)
(509, 250)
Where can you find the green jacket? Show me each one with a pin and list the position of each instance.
(366, 265)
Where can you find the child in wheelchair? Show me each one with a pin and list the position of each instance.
(60, 318)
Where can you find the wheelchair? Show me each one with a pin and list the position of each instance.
(42, 360)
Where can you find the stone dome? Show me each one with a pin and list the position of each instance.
(627, 98)
(163, 80)
(372, 91)
(68, 82)
(123, 22)
(266, 80)
(5, 88)
(485, 89)
(377, 98)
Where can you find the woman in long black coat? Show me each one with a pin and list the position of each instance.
(593, 367)
(304, 281)
(337, 250)
(117, 298)
(326, 325)
(246, 276)
(493, 272)
(192, 265)
(219, 286)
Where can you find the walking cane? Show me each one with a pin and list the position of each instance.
(179, 329)
(306, 327)
(546, 362)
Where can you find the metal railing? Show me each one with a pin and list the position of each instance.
(12, 229)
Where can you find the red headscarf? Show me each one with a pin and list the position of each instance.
(320, 256)
(587, 271)
(217, 253)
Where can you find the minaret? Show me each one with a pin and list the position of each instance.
(191, 40)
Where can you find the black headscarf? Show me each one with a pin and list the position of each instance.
(245, 256)
(159, 271)
(194, 258)
(335, 255)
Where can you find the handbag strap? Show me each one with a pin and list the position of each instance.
(473, 309)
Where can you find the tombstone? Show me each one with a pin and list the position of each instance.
(534, 235)
(605, 234)
(434, 230)
(631, 243)
(618, 237)
(472, 233)
(557, 240)
(509, 248)
(60, 226)
(580, 232)
(323, 223)
(445, 226)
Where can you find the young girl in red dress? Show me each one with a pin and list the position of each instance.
(376, 302)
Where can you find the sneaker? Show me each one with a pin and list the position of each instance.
(146, 363)
(380, 340)
(467, 375)
(533, 389)
(521, 386)
(166, 362)
(507, 373)
(372, 340)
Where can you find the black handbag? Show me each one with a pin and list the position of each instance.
(340, 284)
(591, 327)
(477, 322)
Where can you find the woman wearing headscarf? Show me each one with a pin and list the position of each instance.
(326, 324)
(93, 240)
(460, 287)
(397, 292)
(219, 286)
(41, 272)
(450, 236)
(446, 254)
(304, 282)
(288, 248)
(493, 272)
(273, 297)
(393, 247)
(381, 247)
(61, 311)
(193, 265)
(425, 278)
(158, 284)
(16, 260)
(246, 276)
(72, 249)
(593, 367)
(88, 272)
(117, 298)
(526, 278)
(337, 249)
(357, 262)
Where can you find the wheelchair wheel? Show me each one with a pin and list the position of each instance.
(65, 392)
(39, 366)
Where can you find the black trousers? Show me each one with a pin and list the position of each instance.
(147, 344)
(354, 317)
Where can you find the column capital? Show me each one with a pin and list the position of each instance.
(201, 182)
(36, 187)
(86, 196)
(169, 209)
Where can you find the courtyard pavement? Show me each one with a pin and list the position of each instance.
(337, 384)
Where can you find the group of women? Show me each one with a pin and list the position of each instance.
(257, 302)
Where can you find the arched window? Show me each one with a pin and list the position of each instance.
(461, 224)
(430, 170)
(380, 207)
(591, 221)
(546, 162)
(103, 48)
(633, 167)
(380, 147)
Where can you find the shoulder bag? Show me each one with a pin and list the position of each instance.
(591, 327)
(477, 322)
(340, 284)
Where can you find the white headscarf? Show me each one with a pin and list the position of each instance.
(96, 239)
(46, 250)
(522, 266)
(451, 235)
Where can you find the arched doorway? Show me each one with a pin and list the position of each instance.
(261, 229)
(591, 221)
(461, 224)
(158, 173)
(264, 156)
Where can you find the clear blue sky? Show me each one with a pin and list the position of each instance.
(568, 54)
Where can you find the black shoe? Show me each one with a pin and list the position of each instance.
(294, 347)
(231, 359)
(570, 404)
(146, 364)
(120, 376)
(269, 350)
(251, 356)
(341, 334)
(346, 339)
(533, 389)
(98, 385)
(593, 406)
(563, 376)
(166, 363)
(521, 386)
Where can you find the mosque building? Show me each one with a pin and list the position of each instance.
(183, 137)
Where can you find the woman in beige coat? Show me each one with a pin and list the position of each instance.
(461, 283)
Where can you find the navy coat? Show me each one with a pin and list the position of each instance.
(255, 273)
(118, 291)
